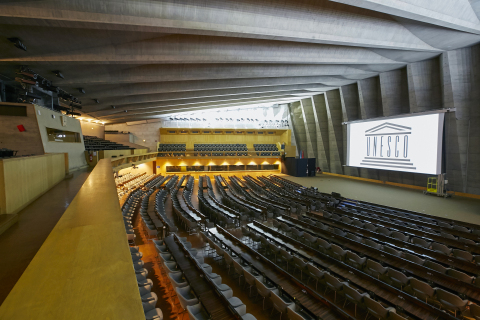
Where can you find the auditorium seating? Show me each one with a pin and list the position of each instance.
(185, 291)
(346, 256)
(267, 149)
(172, 148)
(220, 147)
(93, 143)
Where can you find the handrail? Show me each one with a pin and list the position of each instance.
(84, 268)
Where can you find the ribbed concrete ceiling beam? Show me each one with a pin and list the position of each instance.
(153, 73)
(453, 14)
(290, 20)
(134, 99)
(137, 107)
(183, 49)
(109, 91)
(122, 117)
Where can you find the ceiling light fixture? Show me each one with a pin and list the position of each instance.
(18, 43)
(58, 74)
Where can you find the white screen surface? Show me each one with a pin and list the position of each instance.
(410, 144)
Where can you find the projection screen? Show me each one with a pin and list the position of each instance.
(410, 144)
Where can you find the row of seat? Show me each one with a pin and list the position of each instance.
(160, 199)
(165, 147)
(186, 296)
(181, 210)
(397, 216)
(231, 199)
(267, 289)
(225, 217)
(391, 249)
(149, 299)
(220, 147)
(327, 279)
(133, 184)
(390, 275)
(436, 222)
(425, 243)
(265, 147)
(396, 221)
(221, 154)
(93, 143)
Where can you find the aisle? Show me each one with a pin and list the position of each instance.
(20, 243)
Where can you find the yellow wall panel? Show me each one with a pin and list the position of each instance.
(25, 179)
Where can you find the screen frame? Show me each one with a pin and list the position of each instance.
(440, 165)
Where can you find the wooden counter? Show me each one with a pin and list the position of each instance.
(84, 269)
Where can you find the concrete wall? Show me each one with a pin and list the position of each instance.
(145, 134)
(27, 142)
(93, 129)
(75, 150)
(120, 137)
(450, 80)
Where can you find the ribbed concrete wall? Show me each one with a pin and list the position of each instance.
(310, 127)
(448, 81)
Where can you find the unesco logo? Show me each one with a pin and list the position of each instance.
(387, 147)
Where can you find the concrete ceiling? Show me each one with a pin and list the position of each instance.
(150, 58)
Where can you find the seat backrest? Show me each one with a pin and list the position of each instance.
(338, 251)
(399, 236)
(285, 254)
(315, 271)
(397, 276)
(444, 225)
(375, 308)
(332, 281)
(448, 235)
(279, 303)
(475, 311)
(441, 248)
(323, 243)
(421, 242)
(299, 262)
(353, 237)
(262, 289)
(421, 289)
(352, 294)
(371, 243)
(435, 266)
(392, 251)
(292, 314)
(249, 278)
(376, 267)
(461, 228)
(460, 275)
(414, 258)
(186, 297)
(449, 300)
(358, 223)
(384, 231)
(463, 255)
(195, 312)
(353, 257)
